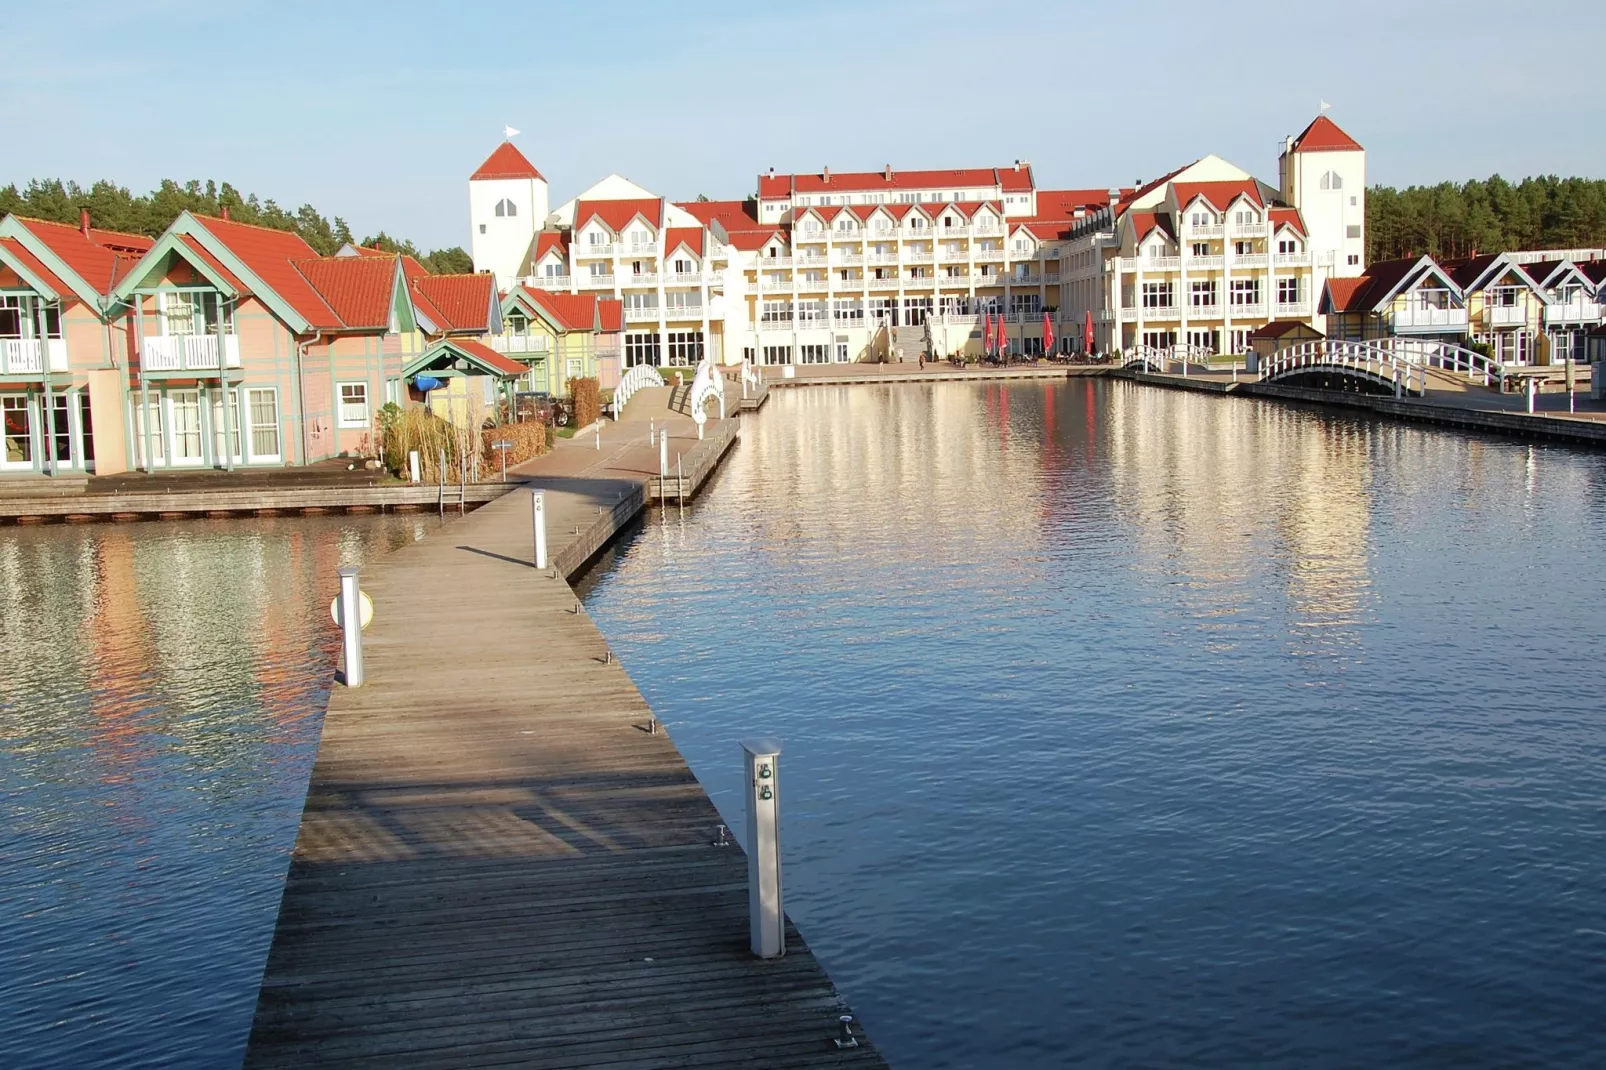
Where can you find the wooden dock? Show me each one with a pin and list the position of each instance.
(498, 863)
(236, 501)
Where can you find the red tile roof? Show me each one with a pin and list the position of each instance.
(1365, 293)
(1055, 204)
(732, 215)
(463, 301)
(618, 214)
(1128, 196)
(1218, 194)
(213, 263)
(367, 250)
(1323, 135)
(490, 357)
(36, 267)
(611, 311)
(549, 241)
(1289, 217)
(691, 237)
(573, 312)
(1341, 294)
(1594, 270)
(360, 289)
(1008, 178)
(1279, 328)
(748, 240)
(100, 259)
(1145, 222)
(506, 162)
(271, 255)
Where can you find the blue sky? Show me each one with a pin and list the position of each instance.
(377, 112)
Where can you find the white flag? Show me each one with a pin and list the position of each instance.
(1324, 107)
(508, 131)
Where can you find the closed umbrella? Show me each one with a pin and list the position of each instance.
(1087, 332)
(1048, 334)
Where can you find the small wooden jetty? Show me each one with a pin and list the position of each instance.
(500, 863)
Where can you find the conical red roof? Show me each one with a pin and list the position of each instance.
(506, 162)
(1323, 135)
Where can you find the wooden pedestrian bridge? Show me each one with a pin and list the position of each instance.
(1398, 367)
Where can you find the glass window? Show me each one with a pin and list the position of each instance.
(642, 348)
(685, 348)
(353, 404)
(18, 429)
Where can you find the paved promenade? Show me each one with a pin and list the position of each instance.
(498, 864)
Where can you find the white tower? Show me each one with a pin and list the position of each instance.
(507, 204)
(1324, 176)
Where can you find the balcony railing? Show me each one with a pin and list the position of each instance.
(806, 259)
(1573, 312)
(1504, 315)
(883, 284)
(1206, 263)
(596, 282)
(881, 258)
(1026, 280)
(1247, 230)
(1291, 259)
(1424, 316)
(988, 255)
(1249, 260)
(641, 315)
(1169, 312)
(521, 343)
(917, 256)
(639, 278)
(767, 262)
(1256, 311)
(188, 352)
(1293, 310)
(1151, 263)
(548, 282)
(605, 249)
(683, 312)
(29, 356)
(812, 236)
(1213, 231)
(848, 258)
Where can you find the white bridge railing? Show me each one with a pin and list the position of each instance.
(1154, 358)
(634, 379)
(1427, 353)
(1358, 360)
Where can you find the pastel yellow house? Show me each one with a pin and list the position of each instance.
(1505, 308)
(1408, 298)
(559, 337)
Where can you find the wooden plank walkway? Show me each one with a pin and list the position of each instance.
(497, 864)
(224, 499)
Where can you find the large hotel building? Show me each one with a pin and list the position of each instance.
(834, 267)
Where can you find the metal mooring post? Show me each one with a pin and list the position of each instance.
(538, 522)
(351, 624)
(766, 916)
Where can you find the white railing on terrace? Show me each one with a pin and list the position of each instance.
(881, 258)
(683, 312)
(641, 315)
(637, 378)
(1213, 231)
(988, 254)
(1359, 359)
(1247, 230)
(883, 284)
(593, 282)
(917, 256)
(764, 263)
(605, 249)
(691, 278)
(1169, 312)
(520, 343)
(1025, 280)
(548, 282)
(1205, 263)
(644, 249)
(1255, 311)
(1150, 263)
(812, 236)
(848, 258)
(639, 278)
(1573, 312)
(1249, 260)
(1504, 315)
(810, 258)
(1427, 316)
(1291, 259)
(188, 352)
(1293, 310)
(29, 356)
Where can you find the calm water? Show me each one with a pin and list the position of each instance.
(1135, 728)
(161, 687)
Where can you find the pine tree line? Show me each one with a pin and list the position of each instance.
(114, 207)
(1492, 216)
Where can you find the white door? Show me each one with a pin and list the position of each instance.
(16, 423)
(184, 422)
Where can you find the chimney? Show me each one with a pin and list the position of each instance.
(888, 172)
(225, 210)
(83, 221)
(1017, 165)
(772, 172)
(825, 173)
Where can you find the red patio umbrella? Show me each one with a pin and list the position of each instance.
(986, 334)
(1048, 334)
(1087, 332)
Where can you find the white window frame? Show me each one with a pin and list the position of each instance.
(343, 407)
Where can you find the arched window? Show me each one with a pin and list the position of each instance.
(1331, 181)
(505, 207)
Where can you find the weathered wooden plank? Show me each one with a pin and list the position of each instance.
(493, 847)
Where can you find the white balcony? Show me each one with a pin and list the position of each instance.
(1216, 231)
(1247, 230)
(1249, 260)
(641, 315)
(1293, 310)
(1151, 315)
(678, 313)
(596, 282)
(30, 356)
(1151, 264)
(958, 253)
(881, 258)
(989, 279)
(812, 236)
(848, 258)
(188, 352)
(1504, 315)
(988, 255)
(1291, 259)
(917, 256)
(558, 283)
(521, 343)
(882, 284)
(640, 278)
(1425, 317)
(765, 263)
(811, 259)
(1255, 311)
(591, 252)
(1026, 280)
(962, 279)
(1206, 263)
(690, 278)
(1576, 311)
(919, 282)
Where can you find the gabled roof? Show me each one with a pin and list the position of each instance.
(732, 215)
(1219, 195)
(1145, 223)
(1475, 272)
(1007, 178)
(464, 301)
(475, 356)
(611, 315)
(1288, 217)
(95, 261)
(565, 312)
(271, 256)
(215, 267)
(1383, 280)
(749, 240)
(551, 241)
(1339, 294)
(1594, 271)
(506, 162)
(1323, 135)
(617, 215)
(1280, 328)
(33, 270)
(690, 237)
(353, 249)
(360, 289)
(1065, 204)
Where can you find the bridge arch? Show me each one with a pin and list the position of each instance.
(1362, 367)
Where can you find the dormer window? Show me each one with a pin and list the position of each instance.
(1331, 180)
(505, 207)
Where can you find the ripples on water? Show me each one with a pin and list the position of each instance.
(161, 687)
(1135, 728)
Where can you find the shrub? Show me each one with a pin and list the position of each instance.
(416, 428)
(530, 439)
(586, 394)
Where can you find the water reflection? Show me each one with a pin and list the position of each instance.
(1131, 727)
(160, 690)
